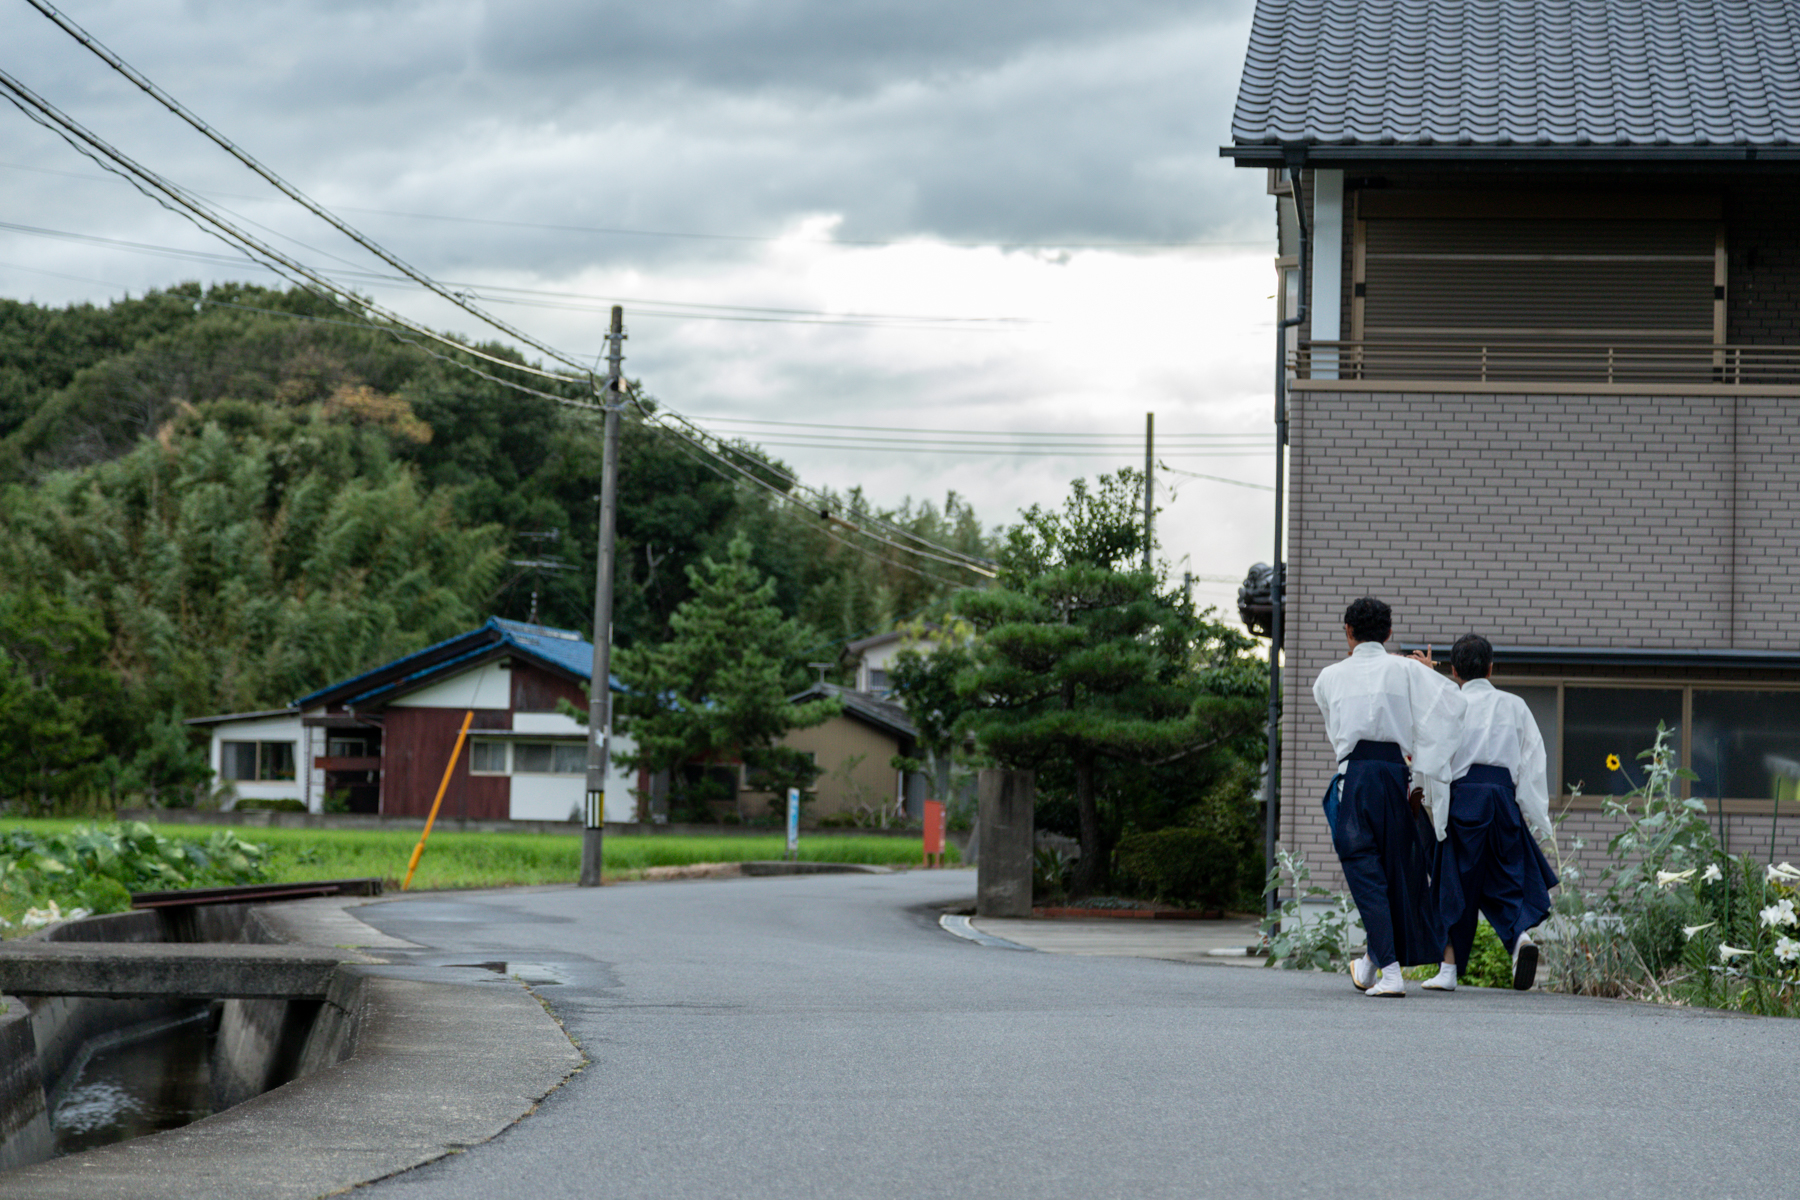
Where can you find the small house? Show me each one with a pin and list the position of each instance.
(380, 741)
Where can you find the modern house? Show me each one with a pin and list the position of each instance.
(380, 741)
(1544, 384)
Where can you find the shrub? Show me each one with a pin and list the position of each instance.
(1489, 964)
(98, 867)
(1182, 865)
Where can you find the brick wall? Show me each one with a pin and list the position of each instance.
(1594, 521)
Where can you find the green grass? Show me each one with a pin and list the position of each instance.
(472, 860)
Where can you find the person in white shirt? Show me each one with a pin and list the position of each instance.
(1486, 862)
(1380, 709)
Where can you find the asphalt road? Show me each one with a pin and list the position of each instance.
(821, 1037)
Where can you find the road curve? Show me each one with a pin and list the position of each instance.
(822, 1037)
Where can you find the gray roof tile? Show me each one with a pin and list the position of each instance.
(1419, 73)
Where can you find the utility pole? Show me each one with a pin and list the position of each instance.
(600, 688)
(1149, 486)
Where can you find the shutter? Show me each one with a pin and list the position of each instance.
(1444, 267)
(1591, 280)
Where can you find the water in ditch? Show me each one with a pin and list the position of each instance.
(136, 1082)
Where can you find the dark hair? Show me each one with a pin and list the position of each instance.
(1369, 620)
(1472, 657)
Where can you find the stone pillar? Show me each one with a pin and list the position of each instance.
(1004, 823)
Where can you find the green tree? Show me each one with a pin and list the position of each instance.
(1086, 664)
(925, 681)
(53, 681)
(718, 688)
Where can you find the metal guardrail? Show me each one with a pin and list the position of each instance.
(1501, 360)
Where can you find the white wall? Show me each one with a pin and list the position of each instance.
(486, 686)
(263, 729)
(554, 797)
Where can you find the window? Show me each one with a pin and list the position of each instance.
(877, 679)
(1746, 745)
(487, 758)
(349, 747)
(1542, 703)
(533, 758)
(549, 758)
(256, 762)
(1598, 722)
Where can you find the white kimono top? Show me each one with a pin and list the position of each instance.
(1375, 696)
(1499, 731)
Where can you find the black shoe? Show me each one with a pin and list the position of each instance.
(1525, 960)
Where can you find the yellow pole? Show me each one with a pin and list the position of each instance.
(468, 719)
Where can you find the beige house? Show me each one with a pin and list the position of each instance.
(855, 752)
(873, 657)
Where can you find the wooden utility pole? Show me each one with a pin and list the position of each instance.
(1149, 487)
(600, 687)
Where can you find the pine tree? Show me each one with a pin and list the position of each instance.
(1084, 660)
(718, 689)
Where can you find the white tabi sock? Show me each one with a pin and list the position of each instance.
(1391, 982)
(1444, 980)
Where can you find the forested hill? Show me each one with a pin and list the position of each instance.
(216, 500)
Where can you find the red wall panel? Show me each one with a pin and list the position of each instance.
(537, 690)
(416, 744)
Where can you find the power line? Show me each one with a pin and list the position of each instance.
(291, 192)
(679, 310)
(618, 231)
(1218, 479)
(177, 200)
(1135, 439)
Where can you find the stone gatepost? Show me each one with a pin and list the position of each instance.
(1004, 822)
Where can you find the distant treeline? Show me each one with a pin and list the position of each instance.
(218, 499)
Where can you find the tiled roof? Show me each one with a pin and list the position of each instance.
(562, 648)
(884, 714)
(1652, 75)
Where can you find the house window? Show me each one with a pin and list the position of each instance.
(256, 762)
(1598, 722)
(487, 758)
(877, 680)
(1746, 745)
(549, 758)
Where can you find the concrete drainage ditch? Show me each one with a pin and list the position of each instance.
(264, 1050)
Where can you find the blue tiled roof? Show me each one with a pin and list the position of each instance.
(1553, 74)
(561, 648)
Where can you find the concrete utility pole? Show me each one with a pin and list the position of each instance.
(600, 689)
(1149, 485)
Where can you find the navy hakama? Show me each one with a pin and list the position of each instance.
(1489, 863)
(1384, 850)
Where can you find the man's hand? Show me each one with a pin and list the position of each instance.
(1424, 656)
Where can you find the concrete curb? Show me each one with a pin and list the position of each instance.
(963, 928)
(444, 1059)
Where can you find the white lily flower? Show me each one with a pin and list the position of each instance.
(1730, 952)
(1779, 913)
(1688, 931)
(1785, 873)
(1670, 878)
(1787, 949)
(1712, 874)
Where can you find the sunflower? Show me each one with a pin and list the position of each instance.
(1612, 762)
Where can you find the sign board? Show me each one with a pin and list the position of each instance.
(934, 831)
(793, 823)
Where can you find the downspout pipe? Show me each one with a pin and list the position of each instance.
(1296, 163)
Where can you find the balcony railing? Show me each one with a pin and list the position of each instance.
(1519, 361)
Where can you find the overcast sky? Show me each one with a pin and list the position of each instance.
(1039, 179)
